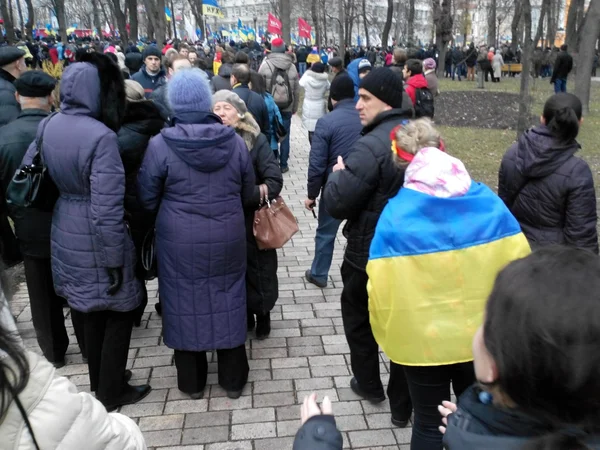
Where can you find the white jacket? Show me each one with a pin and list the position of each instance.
(315, 86)
(63, 419)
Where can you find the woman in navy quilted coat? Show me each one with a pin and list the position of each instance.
(197, 174)
(93, 257)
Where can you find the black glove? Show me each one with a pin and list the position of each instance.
(115, 275)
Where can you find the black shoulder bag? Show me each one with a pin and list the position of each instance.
(31, 185)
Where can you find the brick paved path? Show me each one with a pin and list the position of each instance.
(306, 352)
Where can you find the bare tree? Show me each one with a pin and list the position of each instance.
(525, 100)
(121, 18)
(8, 25)
(20, 12)
(365, 21)
(585, 58)
(197, 11)
(30, 18)
(96, 17)
(59, 11)
(514, 25)
(492, 10)
(540, 28)
(314, 13)
(552, 23)
(442, 18)
(155, 10)
(411, 21)
(388, 23)
(132, 6)
(286, 26)
(341, 21)
(573, 23)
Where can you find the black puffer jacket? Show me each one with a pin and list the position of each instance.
(223, 79)
(549, 191)
(477, 426)
(142, 121)
(319, 433)
(360, 191)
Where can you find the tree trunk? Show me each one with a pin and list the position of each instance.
(132, 6)
(585, 58)
(96, 16)
(59, 10)
(121, 19)
(551, 24)
(525, 100)
(155, 10)
(572, 22)
(341, 21)
(514, 26)
(10, 12)
(540, 28)
(30, 18)
(388, 24)
(20, 11)
(365, 22)
(411, 22)
(315, 20)
(442, 17)
(491, 38)
(286, 26)
(173, 21)
(8, 25)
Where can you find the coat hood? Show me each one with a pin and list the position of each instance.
(418, 81)
(80, 90)
(315, 80)
(282, 61)
(539, 153)
(248, 130)
(206, 147)
(225, 70)
(143, 117)
(478, 425)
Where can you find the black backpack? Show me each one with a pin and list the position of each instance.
(424, 105)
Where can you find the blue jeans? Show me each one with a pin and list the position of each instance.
(560, 85)
(284, 148)
(456, 70)
(301, 68)
(324, 244)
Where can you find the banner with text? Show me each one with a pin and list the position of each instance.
(304, 28)
(274, 25)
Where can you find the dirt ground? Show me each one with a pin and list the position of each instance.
(477, 109)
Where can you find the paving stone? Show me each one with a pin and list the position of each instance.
(304, 341)
(313, 384)
(205, 435)
(163, 437)
(274, 444)
(269, 353)
(287, 363)
(330, 360)
(288, 428)
(265, 387)
(206, 419)
(253, 415)
(371, 438)
(290, 374)
(351, 423)
(275, 399)
(143, 409)
(239, 445)
(310, 350)
(403, 435)
(224, 403)
(156, 423)
(253, 431)
(186, 406)
(328, 371)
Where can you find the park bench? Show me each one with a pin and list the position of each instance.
(512, 68)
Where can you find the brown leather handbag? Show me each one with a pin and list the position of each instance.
(274, 223)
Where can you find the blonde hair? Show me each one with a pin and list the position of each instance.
(134, 91)
(414, 136)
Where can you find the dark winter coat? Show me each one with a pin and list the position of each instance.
(257, 107)
(149, 82)
(197, 174)
(335, 135)
(88, 233)
(477, 425)
(9, 108)
(562, 67)
(301, 54)
(550, 191)
(223, 79)
(262, 285)
(471, 57)
(360, 191)
(134, 62)
(319, 433)
(32, 226)
(142, 121)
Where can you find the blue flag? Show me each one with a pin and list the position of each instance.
(240, 23)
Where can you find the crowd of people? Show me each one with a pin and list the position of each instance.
(180, 147)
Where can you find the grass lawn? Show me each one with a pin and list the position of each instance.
(482, 149)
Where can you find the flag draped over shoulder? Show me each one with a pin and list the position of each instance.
(432, 266)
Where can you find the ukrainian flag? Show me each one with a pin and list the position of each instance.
(432, 266)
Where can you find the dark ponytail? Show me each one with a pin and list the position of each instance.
(562, 113)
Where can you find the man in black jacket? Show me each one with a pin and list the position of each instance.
(562, 68)
(34, 89)
(12, 65)
(240, 80)
(358, 190)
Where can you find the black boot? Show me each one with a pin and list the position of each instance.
(131, 395)
(251, 321)
(263, 326)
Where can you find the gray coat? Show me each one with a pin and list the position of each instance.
(282, 61)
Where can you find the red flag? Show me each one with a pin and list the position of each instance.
(304, 28)
(273, 25)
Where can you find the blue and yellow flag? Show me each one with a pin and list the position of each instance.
(432, 265)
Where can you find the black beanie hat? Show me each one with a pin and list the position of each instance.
(151, 50)
(342, 87)
(385, 85)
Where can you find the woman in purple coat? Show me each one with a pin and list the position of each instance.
(197, 174)
(93, 257)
